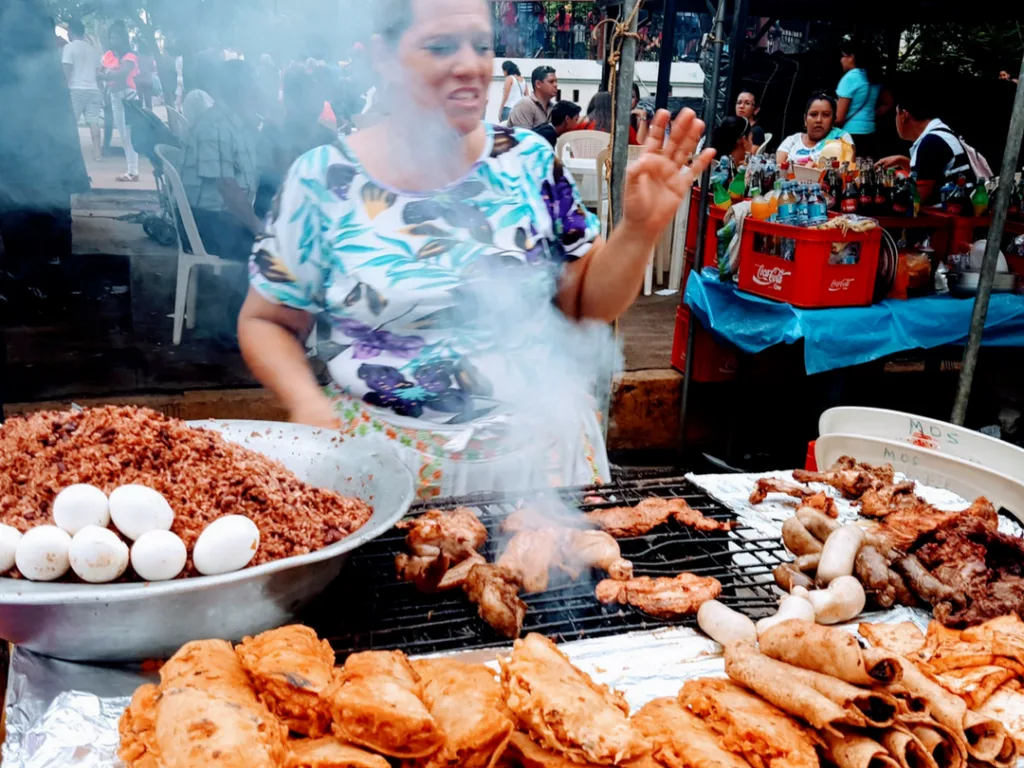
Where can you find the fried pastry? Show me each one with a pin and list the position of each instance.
(330, 752)
(376, 701)
(466, 701)
(681, 740)
(565, 711)
(289, 668)
(208, 665)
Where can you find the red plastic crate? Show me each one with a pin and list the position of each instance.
(810, 461)
(964, 229)
(716, 216)
(809, 281)
(713, 361)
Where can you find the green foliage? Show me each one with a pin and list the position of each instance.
(961, 49)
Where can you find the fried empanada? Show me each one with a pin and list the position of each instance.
(681, 740)
(564, 710)
(290, 667)
(376, 700)
(137, 726)
(208, 665)
(467, 703)
(330, 752)
(523, 752)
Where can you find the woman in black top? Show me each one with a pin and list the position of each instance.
(748, 107)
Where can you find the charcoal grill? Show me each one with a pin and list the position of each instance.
(368, 608)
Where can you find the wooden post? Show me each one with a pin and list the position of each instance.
(623, 100)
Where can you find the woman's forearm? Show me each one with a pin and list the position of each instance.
(603, 284)
(277, 359)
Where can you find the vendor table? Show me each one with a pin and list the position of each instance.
(842, 337)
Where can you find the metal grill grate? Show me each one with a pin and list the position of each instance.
(368, 608)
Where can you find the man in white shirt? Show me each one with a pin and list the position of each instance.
(81, 59)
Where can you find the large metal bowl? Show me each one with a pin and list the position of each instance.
(131, 622)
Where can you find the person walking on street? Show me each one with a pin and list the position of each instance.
(515, 91)
(120, 66)
(535, 109)
(81, 60)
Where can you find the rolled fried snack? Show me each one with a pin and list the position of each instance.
(763, 734)
(907, 749)
(877, 708)
(208, 665)
(564, 710)
(196, 727)
(984, 739)
(854, 750)
(681, 740)
(290, 667)
(376, 701)
(829, 651)
(910, 704)
(330, 752)
(466, 701)
(524, 752)
(771, 679)
(941, 744)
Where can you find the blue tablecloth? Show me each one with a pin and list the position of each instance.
(837, 338)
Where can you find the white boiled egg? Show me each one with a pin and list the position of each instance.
(80, 505)
(98, 555)
(42, 553)
(227, 544)
(136, 509)
(9, 539)
(158, 555)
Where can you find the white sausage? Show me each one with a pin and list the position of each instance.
(842, 601)
(724, 625)
(839, 553)
(792, 607)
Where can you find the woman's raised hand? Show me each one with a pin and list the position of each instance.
(657, 182)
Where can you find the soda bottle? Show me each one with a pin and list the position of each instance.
(1016, 199)
(902, 200)
(835, 186)
(915, 193)
(979, 198)
(866, 204)
(959, 203)
(851, 197)
(817, 209)
(738, 186)
(883, 195)
(721, 195)
(760, 208)
(782, 176)
(787, 204)
(803, 212)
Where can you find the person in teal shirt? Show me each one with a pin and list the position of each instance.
(858, 94)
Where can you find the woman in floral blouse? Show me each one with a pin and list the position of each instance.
(457, 268)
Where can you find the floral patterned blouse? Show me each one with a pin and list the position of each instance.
(440, 304)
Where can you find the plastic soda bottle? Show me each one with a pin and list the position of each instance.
(760, 208)
(721, 195)
(787, 204)
(817, 207)
(979, 199)
(803, 213)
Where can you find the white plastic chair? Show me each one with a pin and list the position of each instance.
(584, 145)
(185, 290)
(764, 144)
(177, 123)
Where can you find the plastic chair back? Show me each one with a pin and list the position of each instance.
(171, 158)
(584, 145)
(177, 123)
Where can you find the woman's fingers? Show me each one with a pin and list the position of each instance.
(656, 133)
(701, 162)
(690, 134)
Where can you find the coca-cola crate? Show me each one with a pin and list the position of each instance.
(716, 217)
(713, 361)
(794, 264)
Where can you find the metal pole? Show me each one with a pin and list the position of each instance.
(668, 51)
(623, 100)
(736, 47)
(606, 71)
(710, 109)
(988, 265)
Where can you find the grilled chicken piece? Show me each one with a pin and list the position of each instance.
(851, 479)
(439, 540)
(767, 485)
(533, 518)
(880, 502)
(457, 533)
(822, 502)
(530, 556)
(623, 522)
(495, 591)
(456, 577)
(594, 549)
(661, 597)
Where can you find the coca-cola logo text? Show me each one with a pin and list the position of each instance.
(770, 277)
(841, 285)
